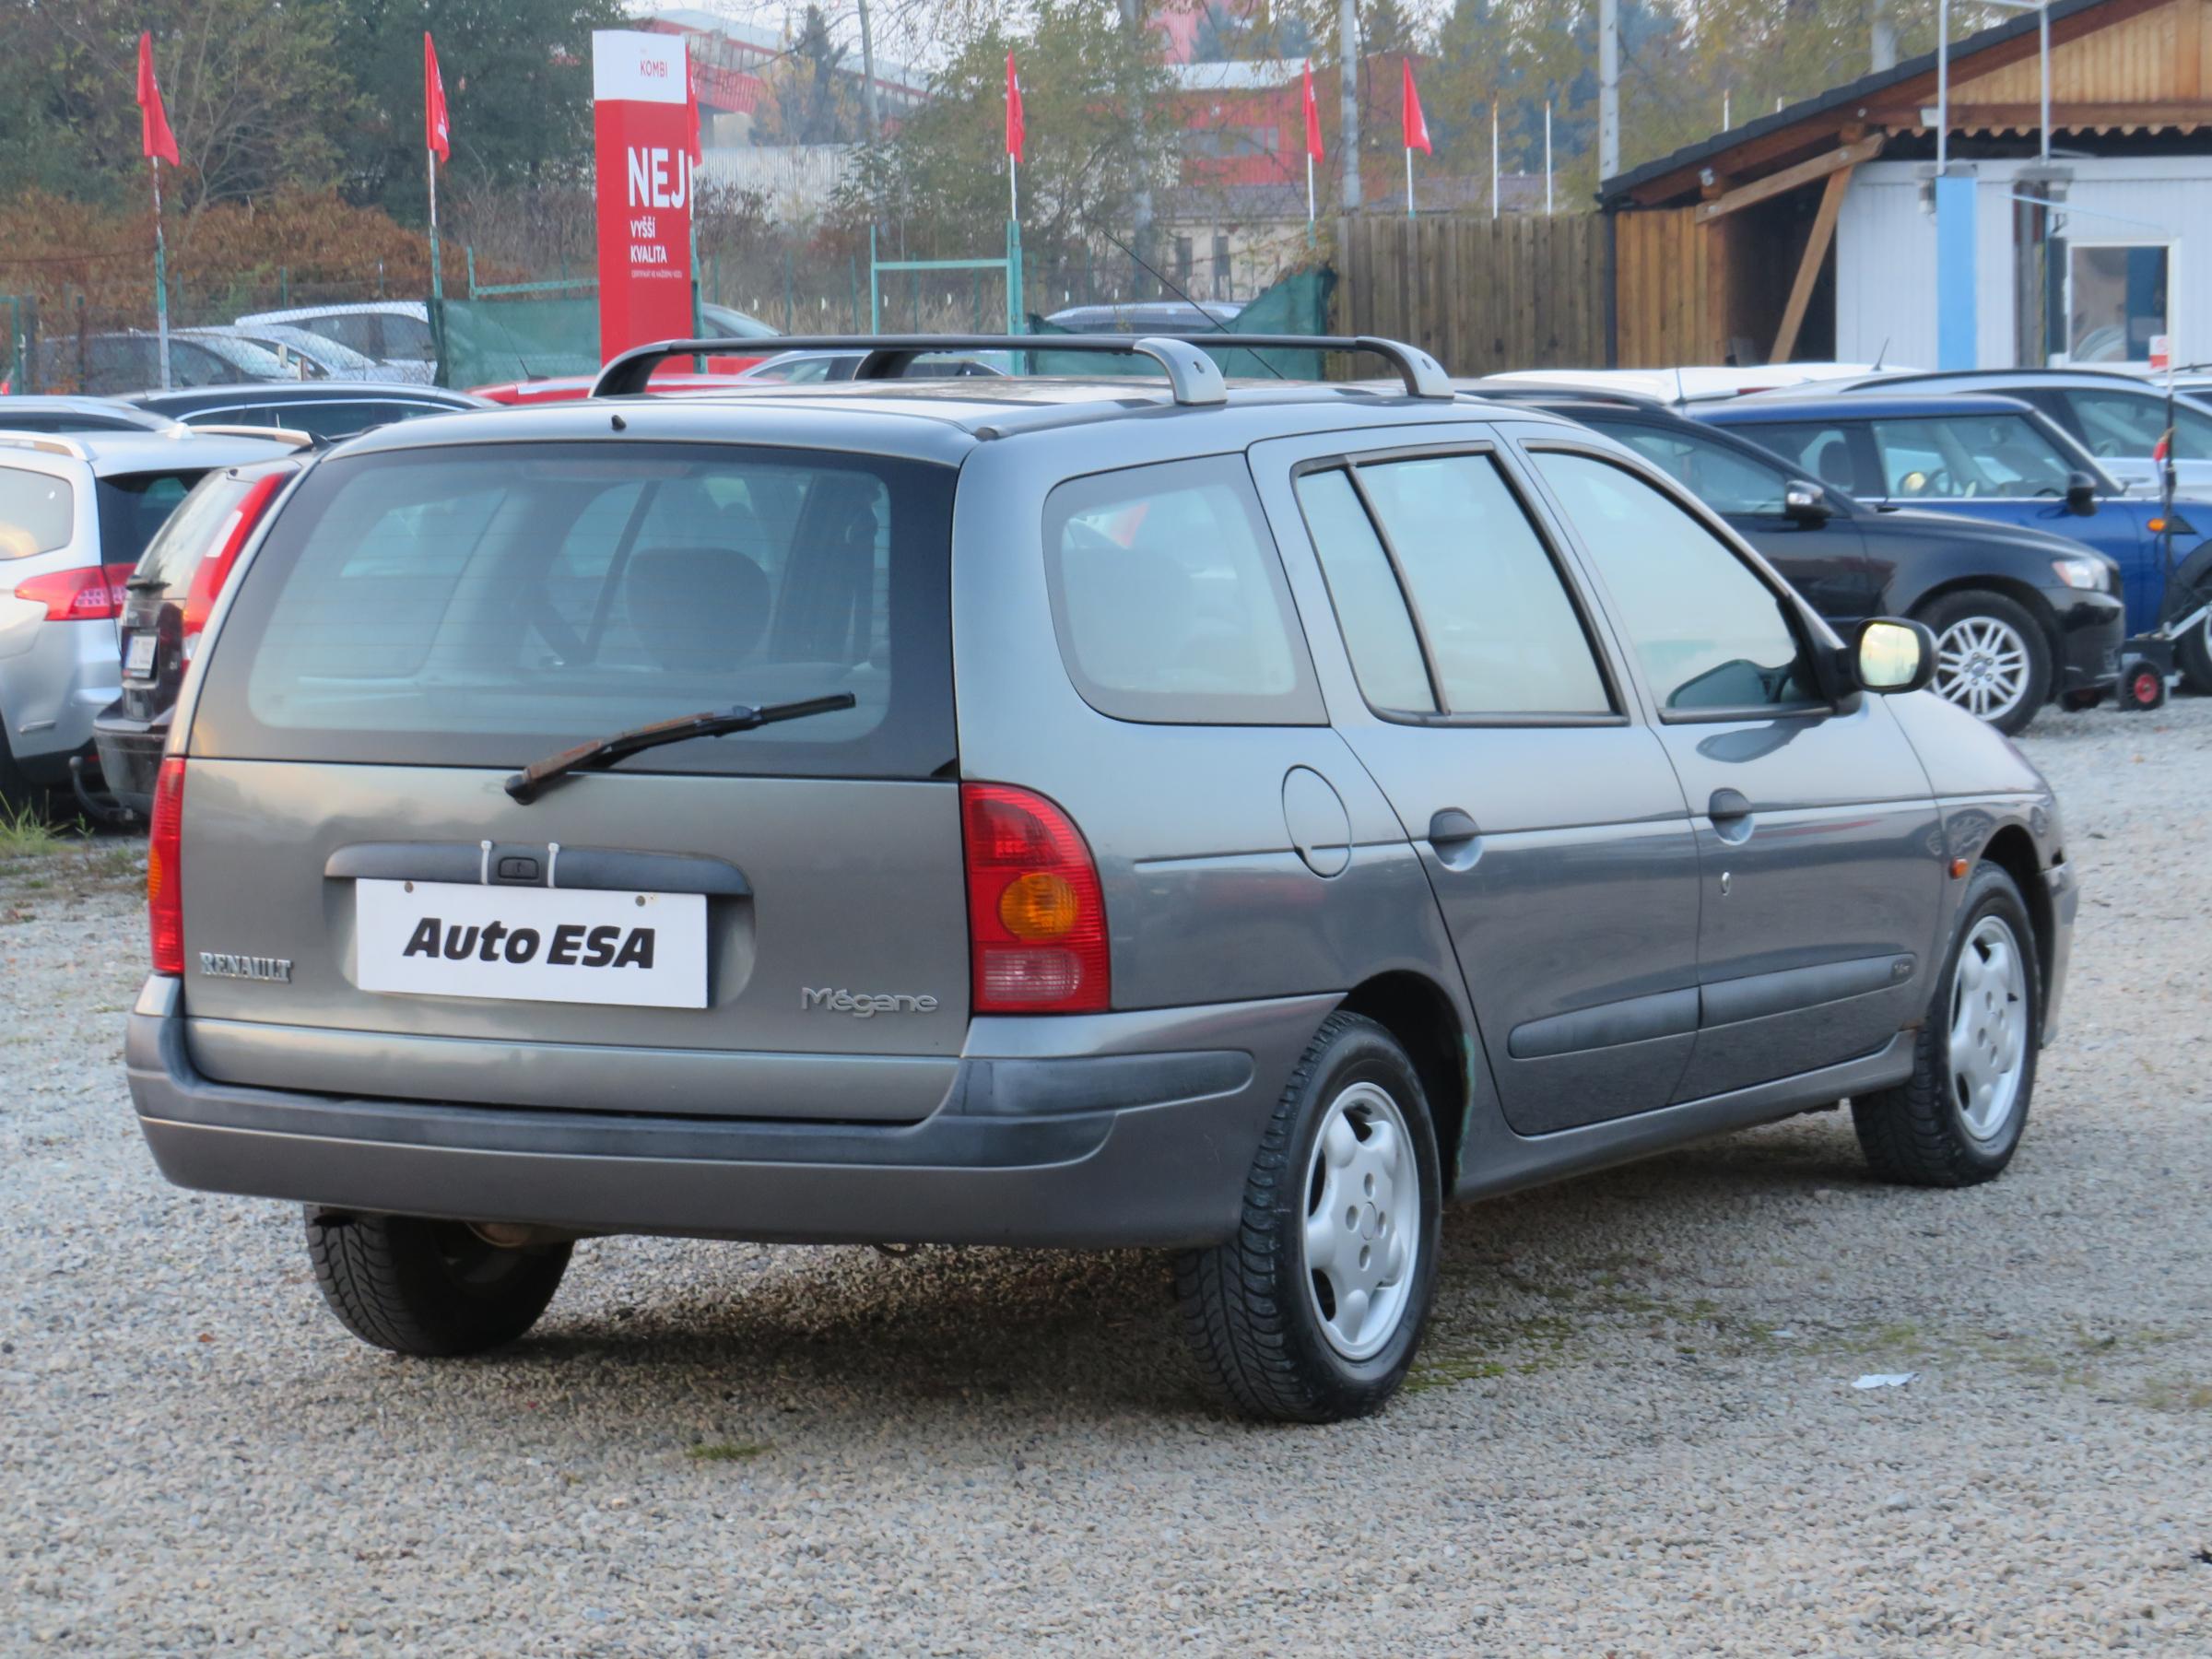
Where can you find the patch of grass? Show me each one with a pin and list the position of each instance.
(1445, 1371)
(725, 1451)
(2179, 1396)
(25, 833)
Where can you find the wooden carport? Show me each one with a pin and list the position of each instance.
(1722, 250)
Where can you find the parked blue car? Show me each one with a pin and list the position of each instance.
(1993, 457)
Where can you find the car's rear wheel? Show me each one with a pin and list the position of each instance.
(1312, 1311)
(1958, 1119)
(432, 1289)
(1991, 657)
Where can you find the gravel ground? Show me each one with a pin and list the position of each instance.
(1634, 1430)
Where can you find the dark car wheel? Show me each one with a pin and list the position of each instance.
(2192, 653)
(431, 1288)
(1958, 1119)
(1992, 658)
(1312, 1311)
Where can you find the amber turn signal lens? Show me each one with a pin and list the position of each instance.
(1039, 906)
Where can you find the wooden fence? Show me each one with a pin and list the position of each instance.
(1480, 295)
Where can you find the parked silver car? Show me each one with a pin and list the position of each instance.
(1234, 820)
(76, 512)
(394, 335)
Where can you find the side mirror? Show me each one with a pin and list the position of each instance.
(1805, 503)
(2081, 494)
(1890, 655)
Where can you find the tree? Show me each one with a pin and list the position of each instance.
(253, 92)
(941, 180)
(804, 86)
(518, 80)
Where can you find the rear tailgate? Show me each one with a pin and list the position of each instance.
(770, 923)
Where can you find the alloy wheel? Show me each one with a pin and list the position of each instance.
(1363, 1221)
(1989, 1028)
(1983, 666)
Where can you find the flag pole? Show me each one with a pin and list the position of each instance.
(161, 277)
(1548, 155)
(1493, 158)
(1409, 181)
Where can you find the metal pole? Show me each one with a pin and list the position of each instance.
(1943, 85)
(161, 277)
(1409, 181)
(875, 293)
(1608, 88)
(1493, 158)
(2042, 28)
(1348, 51)
(1547, 156)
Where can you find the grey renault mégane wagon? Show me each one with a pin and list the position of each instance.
(1049, 812)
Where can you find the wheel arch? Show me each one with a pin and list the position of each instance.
(1425, 1020)
(2021, 593)
(2012, 850)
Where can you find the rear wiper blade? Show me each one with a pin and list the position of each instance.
(526, 785)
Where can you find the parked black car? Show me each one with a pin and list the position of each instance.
(2021, 616)
(166, 604)
(326, 409)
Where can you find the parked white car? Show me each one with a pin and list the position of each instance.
(1676, 387)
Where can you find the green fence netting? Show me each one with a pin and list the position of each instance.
(492, 340)
(1298, 304)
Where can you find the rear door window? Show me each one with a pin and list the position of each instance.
(1822, 451)
(1170, 601)
(485, 606)
(38, 513)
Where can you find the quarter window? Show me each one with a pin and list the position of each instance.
(38, 514)
(1711, 635)
(1379, 634)
(1169, 600)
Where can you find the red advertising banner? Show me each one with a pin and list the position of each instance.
(641, 118)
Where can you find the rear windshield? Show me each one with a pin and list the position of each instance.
(189, 532)
(133, 506)
(486, 605)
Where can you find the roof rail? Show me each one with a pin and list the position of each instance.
(291, 435)
(46, 443)
(1192, 374)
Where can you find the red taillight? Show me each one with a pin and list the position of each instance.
(165, 868)
(1036, 922)
(93, 594)
(209, 575)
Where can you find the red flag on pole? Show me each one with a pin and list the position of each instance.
(155, 140)
(1417, 124)
(1314, 151)
(1016, 127)
(437, 130)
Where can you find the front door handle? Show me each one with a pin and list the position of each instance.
(1727, 806)
(1452, 828)
(1731, 814)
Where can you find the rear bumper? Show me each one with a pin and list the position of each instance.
(130, 754)
(1123, 1129)
(51, 692)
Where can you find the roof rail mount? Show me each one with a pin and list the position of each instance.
(1192, 375)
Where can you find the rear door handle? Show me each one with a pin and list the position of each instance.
(1452, 828)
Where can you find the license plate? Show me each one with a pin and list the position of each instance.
(437, 938)
(138, 659)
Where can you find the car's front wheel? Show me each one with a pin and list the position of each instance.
(431, 1288)
(1958, 1119)
(1992, 658)
(2193, 652)
(1312, 1311)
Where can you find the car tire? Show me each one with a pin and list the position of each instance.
(2192, 654)
(1286, 1329)
(1991, 657)
(1959, 1118)
(429, 1289)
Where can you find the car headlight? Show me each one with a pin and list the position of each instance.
(2090, 573)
